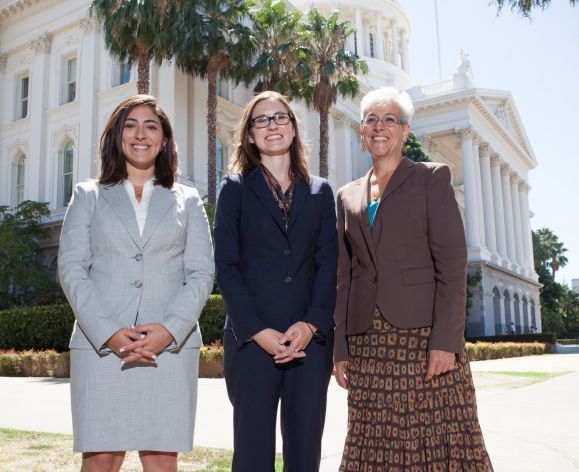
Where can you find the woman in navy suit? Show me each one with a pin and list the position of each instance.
(276, 257)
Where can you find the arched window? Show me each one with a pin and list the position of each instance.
(525, 328)
(499, 328)
(65, 177)
(508, 316)
(19, 176)
(219, 164)
(371, 45)
(517, 307)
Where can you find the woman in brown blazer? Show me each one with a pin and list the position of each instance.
(400, 313)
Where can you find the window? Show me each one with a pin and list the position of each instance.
(69, 82)
(223, 88)
(121, 73)
(19, 180)
(66, 167)
(371, 45)
(22, 97)
(218, 164)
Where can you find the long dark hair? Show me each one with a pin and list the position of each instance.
(245, 156)
(113, 165)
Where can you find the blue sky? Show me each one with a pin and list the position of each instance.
(538, 61)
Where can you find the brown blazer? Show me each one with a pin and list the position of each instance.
(411, 263)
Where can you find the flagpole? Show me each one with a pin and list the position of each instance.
(437, 39)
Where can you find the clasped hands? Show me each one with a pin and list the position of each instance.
(288, 346)
(140, 343)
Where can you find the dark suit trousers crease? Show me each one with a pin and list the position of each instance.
(256, 386)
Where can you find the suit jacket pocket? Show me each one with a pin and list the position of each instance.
(420, 275)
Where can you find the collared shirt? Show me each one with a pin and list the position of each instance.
(283, 200)
(141, 208)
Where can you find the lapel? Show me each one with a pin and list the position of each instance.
(258, 185)
(400, 175)
(117, 198)
(363, 185)
(161, 200)
(301, 191)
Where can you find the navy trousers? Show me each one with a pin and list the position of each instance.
(256, 385)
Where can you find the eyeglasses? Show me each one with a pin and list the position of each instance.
(389, 120)
(263, 121)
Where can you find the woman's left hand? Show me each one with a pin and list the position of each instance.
(439, 362)
(299, 336)
(156, 339)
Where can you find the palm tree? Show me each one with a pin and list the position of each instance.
(136, 31)
(214, 44)
(548, 250)
(329, 69)
(275, 28)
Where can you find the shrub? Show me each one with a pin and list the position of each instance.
(483, 351)
(515, 338)
(50, 327)
(34, 364)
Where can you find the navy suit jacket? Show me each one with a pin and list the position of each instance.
(270, 278)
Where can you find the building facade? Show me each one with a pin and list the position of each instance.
(58, 86)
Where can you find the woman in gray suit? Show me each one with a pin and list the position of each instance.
(136, 265)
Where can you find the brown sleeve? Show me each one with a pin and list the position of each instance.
(448, 248)
(340, 313)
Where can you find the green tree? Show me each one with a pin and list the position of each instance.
(413, 149)
(23, 279)
(472, 280)
(276, 65)
(523, 7)
(548, 250)
(214, 44)
(136, 31)
(329, 70)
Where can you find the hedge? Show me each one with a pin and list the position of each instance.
(515, 338)
(49, 327)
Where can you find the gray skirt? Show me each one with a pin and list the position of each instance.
(136, 408)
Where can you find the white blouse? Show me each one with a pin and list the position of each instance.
(141, 207)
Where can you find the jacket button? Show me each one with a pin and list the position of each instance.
(138, 257)
(374, 279)
(138, 284)
(287, 280)
(286, 252)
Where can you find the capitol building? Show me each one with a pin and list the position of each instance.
(58, 86)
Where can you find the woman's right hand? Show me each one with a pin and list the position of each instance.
(125, 336)
(273, 342)
(340, 372)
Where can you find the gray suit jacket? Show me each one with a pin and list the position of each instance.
(114, 278)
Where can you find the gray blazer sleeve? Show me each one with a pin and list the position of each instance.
(182, 313)
(96, 319)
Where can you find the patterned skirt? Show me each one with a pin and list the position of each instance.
(398, 422)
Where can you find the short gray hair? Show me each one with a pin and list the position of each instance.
(385, 96)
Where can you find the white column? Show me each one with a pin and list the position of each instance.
(479, 195)
(498, 206)
(379, 37)
(388, 43)
(87, 143)
(173, 95)
(519, 251)
(360, 33)
(508, 210)
(526, 227)
(469, 177)
(395, 45)
(487, 192)
(36, 162)
(404, 51)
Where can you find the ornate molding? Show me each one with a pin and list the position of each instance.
(88, 24)
(496, 160)
(506, 169)
(465, 133)
(3, 62)
(41, 44)
(515, 179)
(484, 150)
(524, 186)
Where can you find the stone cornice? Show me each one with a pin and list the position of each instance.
(14, 7)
